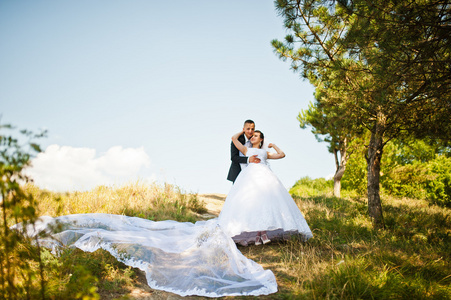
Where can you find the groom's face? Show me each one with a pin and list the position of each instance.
(249, 129)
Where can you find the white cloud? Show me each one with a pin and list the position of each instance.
(64, 168)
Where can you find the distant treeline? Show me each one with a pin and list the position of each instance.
(417, 169)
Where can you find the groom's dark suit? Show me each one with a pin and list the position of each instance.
(235, 167)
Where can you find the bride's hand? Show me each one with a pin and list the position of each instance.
(270, 145)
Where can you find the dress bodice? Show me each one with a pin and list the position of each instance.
(261, 153)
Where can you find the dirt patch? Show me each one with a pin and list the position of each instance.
(213, 202)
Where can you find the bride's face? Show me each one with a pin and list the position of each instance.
(256, 138)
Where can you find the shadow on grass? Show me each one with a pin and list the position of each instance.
(361, 279)
(348, 259)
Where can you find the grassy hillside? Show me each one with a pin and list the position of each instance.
(153, 202)
(76, 274)
(346, 259)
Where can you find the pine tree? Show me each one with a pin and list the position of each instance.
(387, 63)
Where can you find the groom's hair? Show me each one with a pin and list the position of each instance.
(248, 122)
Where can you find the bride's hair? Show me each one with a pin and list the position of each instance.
(261, 136)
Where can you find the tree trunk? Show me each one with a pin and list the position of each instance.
(340, 170)
(340, 167)
(374, 167)
(337, 186)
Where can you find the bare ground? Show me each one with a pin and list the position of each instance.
(213, 202)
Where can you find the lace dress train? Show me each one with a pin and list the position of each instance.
(182, 258)
(185, 258)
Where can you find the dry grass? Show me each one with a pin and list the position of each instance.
(76, 274)
(346, 259)
(153, 202)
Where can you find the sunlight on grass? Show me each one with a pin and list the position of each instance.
(153, 202)
(346, 258)
(77, 274)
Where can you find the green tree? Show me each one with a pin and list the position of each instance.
(330, 126)
(410, 42)
(352, 51)
(21, 268)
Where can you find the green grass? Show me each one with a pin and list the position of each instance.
(346, 258)
(79, 275)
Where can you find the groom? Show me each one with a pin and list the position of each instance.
(239, 161)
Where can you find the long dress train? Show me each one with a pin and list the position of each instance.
(185, 258)
(182, 258)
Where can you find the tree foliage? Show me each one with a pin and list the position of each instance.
(386, 63)
(21, 268)
(407, 43)
(416, 169)
(330, 124)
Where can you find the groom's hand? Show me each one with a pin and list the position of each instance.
(254, 159)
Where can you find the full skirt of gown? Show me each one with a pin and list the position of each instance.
(185, 258)
(258, 201)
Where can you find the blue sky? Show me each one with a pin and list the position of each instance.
(151, 90)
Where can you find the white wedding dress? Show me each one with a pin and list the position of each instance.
(258, 201)
(182, 258)
(185, 258)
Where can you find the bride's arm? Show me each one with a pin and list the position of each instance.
(277, 155)
(238, 144)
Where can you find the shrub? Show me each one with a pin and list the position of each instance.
(312, 187)
(21, 268)
(355, 176)
(438, 186)
(407, 181)
(421, 180)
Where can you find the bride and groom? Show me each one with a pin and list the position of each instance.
(258, 208)
(195, 259)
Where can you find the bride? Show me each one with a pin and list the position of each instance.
(192, 259)
(258, 208)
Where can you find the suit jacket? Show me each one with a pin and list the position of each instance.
(236, 159)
